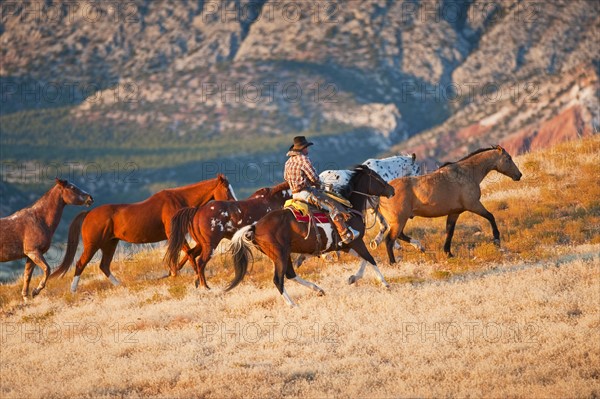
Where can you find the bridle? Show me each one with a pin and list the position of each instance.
(371, 197)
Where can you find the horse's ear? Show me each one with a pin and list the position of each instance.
(60, 182)
(221, 177)
(414, 157)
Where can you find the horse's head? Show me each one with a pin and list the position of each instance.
(260, 193)
(367, 181)
(277, 194)
(281, 192)
(73, 195)
(223, 190)
(506, 165)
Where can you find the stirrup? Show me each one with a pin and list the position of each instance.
(349, 235)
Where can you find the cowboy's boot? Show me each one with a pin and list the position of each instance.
(347, 233)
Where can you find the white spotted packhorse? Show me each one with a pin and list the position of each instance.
(278, 234)
(388, 168)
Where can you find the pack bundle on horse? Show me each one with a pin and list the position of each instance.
(450, 190)
(209, 224)
(142, 222)
(28, 232)
(278, 234)
(389, 169)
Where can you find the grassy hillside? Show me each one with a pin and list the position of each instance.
(522, 321)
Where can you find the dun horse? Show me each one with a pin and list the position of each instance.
(450, 190)
(28, 232)
(209, 224)
(142, 222)
(278, 234)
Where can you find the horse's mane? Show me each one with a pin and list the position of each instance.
(391, 157)
(479, 151)
(346, 190)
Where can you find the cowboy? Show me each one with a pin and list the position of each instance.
(305, 184)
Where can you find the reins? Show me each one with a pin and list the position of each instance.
(372, 199)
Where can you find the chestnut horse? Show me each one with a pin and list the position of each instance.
(142, 222)
(450, 190)
(28, 232)
(209, 224)
(278, 234)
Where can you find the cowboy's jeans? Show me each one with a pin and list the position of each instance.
(337, 212)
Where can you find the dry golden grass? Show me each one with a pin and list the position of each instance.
(523, 321)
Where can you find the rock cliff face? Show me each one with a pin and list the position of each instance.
(539, 113)
(438, 78)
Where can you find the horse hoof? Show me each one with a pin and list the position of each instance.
(196, 283)
(450, 255)
(351, 280)
(373, 244)
(497, 242)
(320, 293)
(35, 292)
(386, 285)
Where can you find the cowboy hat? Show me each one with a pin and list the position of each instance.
(300, 143)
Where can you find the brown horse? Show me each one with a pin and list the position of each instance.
(28, 232)
(450, 190)
(142, 222)
(278, 234)
(209, 224)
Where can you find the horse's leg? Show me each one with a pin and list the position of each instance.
(291, 274)
(359, 249)
(108, 251)
(361, 270)
(415, 243)
(390, 240)
(450, 225)
(190, 255)
(300, 260)
(281, 263)
(89, 251)
(37, 258)
(480, 210)
(205, 256)
(383, 226)
(27, 273)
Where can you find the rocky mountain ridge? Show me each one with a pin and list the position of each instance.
(438, 78)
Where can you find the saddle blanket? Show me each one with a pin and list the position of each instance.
(301, 212)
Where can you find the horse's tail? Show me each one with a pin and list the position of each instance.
(180, 224)
(72, 243)
(241, 243)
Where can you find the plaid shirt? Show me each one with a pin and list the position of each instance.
(300, 173)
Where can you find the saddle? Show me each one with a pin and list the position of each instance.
(302, 211)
